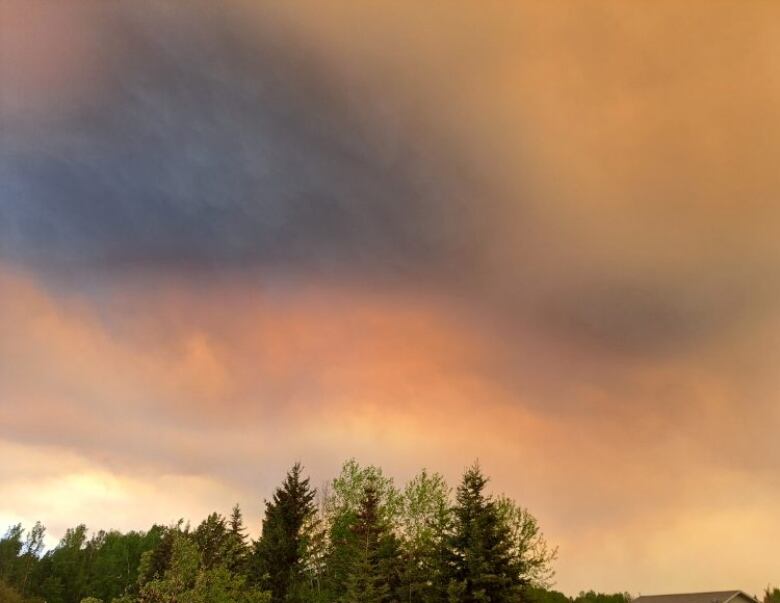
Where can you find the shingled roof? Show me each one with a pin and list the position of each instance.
(723, 596)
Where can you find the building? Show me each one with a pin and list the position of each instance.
(723, 596)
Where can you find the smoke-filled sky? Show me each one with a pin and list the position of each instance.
(542, 234)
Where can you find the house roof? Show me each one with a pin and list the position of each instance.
(723, 596)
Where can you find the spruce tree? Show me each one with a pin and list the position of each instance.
(238, 551)
(279, 554)
(483, 567)
(237, 528)
(373, 575)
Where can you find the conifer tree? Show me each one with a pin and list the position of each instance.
(483, 567)
(374, 571)
(238, 550)
(237, 528)
(279, 554)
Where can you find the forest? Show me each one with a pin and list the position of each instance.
(358, 539)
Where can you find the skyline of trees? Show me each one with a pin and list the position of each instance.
(360, 539)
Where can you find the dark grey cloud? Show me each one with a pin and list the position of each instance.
(635, 313)
(198, 139)
(211, 145)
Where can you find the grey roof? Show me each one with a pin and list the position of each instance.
(723, 596)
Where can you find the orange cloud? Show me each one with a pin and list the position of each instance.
(226, 387)
(605, 336)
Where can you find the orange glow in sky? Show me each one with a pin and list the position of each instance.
(541, 234)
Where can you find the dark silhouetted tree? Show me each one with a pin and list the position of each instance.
(374, 574)
(483, 567)
(237, 548)
(279, 554)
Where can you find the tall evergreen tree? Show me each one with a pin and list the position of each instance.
(236, 524)
(483, 567)
(238, 550)
(373, 577)
(279, 553)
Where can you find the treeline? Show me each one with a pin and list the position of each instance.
(359, 539)
(543, 595)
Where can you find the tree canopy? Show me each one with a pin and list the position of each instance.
(360, 539)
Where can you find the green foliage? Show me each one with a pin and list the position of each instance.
(10, 549)
(279, 556)
(195, 573)
(114, 559)
(425, 524)
(594, 597)
(67, 568)
(484, 564)
(537, 594)
(180, 575)
(771, 595)
(348, 489)
(527, 543)
(237, 552)
(103, 566)
(343, 507)
(375, 554)
(213, 541)
(362, 541)
(11, 595)
(155, 561)
(219, 585)
(31, 551)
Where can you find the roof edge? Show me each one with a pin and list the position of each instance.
(732, 594)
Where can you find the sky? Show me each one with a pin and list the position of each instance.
(543, 235)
